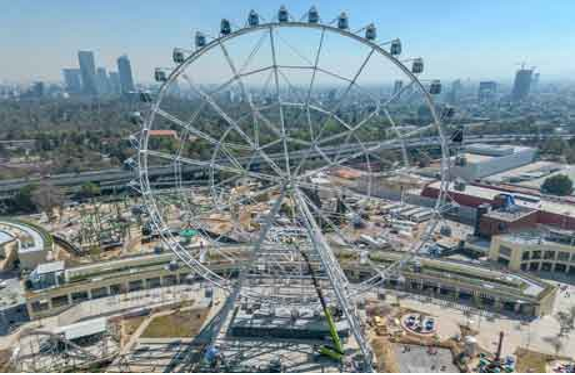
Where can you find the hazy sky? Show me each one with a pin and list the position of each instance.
(458, 39)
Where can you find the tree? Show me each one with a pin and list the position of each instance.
(23, 199)
(559, 184)
(89, 190)
(47, 197)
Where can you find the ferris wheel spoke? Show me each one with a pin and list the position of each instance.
(204, 164)
(294, 50)
(315, 65)
(337, 278)
(352, 133)
(279, 101)
(347, 90)
(399, 136)
(336, 107)
(254, 52)
(186, 126)
(398, 94)
(219, 144)
(199, 219)
(342, 236)
(230, 122)
(312, 83)
(269, 223)
(256, 115)
(233, 79)
(314, 146)
(374, 147)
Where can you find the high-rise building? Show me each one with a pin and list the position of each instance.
(88, 70)
(115, 86)
(72, 80)
(454, 94)
(535, 82)
(487, 91)
(125, 71)
(522, 84)
(38, 89)
(102, 81)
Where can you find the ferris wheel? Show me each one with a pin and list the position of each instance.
(276, 137)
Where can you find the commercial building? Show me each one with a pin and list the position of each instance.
(125, 72)
(72, 80)
(32, 244)
(487, 91)
(490, 289)
(52, 288)
(483, 160)
(88, 71)
(115, 86)
(505, 220)
(552, 212)
(102, 81)
(522, 84)
(535, 250)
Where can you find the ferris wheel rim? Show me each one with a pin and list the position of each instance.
(193, 263)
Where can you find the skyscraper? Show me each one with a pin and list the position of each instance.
(535, 82)
(115, 86)
(522, 84)
(125, 71)
(37, 90)
(102, 81)
(88, 70)
(487, 91)
(72, 80)
(455, 92)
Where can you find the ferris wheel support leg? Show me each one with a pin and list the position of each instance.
(337, 278)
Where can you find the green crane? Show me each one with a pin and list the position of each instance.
(334, 351)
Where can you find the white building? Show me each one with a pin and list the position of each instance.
(484, 160)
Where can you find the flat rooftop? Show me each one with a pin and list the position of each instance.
(31, 238)
(494, 150)
(538, 237)
(83, 329)
(475, 158)
(522, 200)
(51, 267)
(5, 237)
(532, 175)
(510, 215)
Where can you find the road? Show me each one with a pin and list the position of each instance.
(118, 177)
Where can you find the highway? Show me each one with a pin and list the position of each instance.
(121, 177)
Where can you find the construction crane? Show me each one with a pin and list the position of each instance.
(495, 365)
(336, 350)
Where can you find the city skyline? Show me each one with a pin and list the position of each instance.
(453, 44)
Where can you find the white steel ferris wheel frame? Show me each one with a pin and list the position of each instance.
(341, 286)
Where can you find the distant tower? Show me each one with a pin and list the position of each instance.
(72, 80)
(455, 93)
(88, 70)
(125, 71)
(487, 91)
(102, 81)
(115, 86)
(522, 84)
(38, 89)
(535, 82)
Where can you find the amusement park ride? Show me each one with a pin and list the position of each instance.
(282, 70)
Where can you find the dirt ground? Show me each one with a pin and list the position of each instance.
(185, 323)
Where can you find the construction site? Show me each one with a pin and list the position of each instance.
(269, 226)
